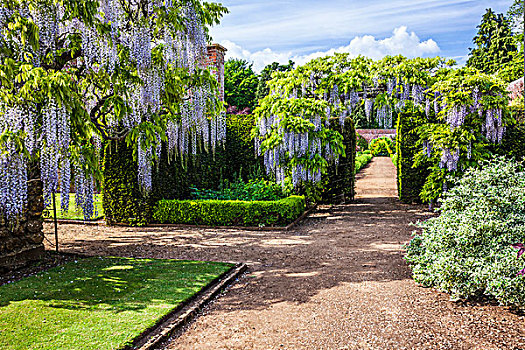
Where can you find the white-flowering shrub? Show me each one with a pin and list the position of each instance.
(470, 249)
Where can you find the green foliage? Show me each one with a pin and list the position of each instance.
(122, 199)
(515, 15)
(361, 160)
(253, 190)
(513, 69)
(494, 44)
(381, 147)
(410, 177)
(457, 88)
(338, 184)
(266, 75)
(466, 251)
(513, 145)
(240, 84)
(362, 143)
(228, 213)
(97, 303)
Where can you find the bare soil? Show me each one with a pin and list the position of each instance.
(337, 281)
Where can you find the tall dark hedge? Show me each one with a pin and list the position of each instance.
(410, 180)
(339, 182)
(513, 143)
(174, 178)
(122, 199)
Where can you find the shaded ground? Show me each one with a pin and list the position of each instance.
(338, 281)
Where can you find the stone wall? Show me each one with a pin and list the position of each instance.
(21, 241)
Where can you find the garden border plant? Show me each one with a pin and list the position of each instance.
(467, 250)
(230, 213)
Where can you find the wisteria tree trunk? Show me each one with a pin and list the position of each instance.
(22, 240)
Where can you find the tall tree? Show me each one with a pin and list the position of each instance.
(495, 45)
(240, 84)
(266, 75)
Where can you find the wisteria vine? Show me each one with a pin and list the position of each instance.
(111, 69)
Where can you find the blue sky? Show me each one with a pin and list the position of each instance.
(264, 31)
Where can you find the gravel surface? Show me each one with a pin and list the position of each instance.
(338, 281)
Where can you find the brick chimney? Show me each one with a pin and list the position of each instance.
(215, 61)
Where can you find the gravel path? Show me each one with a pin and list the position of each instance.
(338, 281)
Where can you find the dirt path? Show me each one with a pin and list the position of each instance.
(338, 281)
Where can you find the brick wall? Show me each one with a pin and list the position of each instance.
(215, 61)
(370, 134)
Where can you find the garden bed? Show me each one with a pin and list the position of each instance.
(98, 303)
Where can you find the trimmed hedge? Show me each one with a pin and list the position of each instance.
(361, 160)
(229, 213)
(410, 180)
(513, 143)
(339, 182)
(122, 200)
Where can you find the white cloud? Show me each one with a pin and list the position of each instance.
(401, 42)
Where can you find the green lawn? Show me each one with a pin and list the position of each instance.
(74, 213)
(97, 303)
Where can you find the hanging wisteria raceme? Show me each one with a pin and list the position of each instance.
(144, 159)
(13, 183)
(449, 159)
(493, 126)
(369, 105)
(384, 117)
(84, 192)
(456, 116)
(418, 94)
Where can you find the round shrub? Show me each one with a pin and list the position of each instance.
(381, 147)
(468, 250)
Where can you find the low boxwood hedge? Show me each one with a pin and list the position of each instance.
(229, 213)
(361, 160)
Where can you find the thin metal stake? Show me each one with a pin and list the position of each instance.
(56, 223)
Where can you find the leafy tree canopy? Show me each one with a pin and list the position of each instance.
(515, 14)
(240, 84)
(495, 45)
(262, 89)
